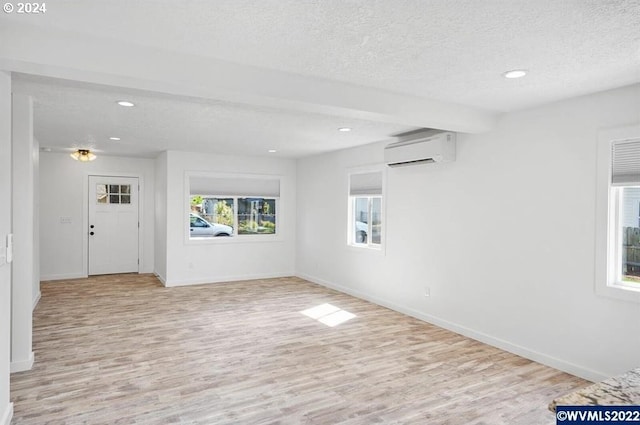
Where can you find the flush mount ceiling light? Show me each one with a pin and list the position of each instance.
(515, 73)
(344, 129)
(125, 103)
(114, 138)
(272, 151)
(83, 155)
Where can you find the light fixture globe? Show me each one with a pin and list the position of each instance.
(83, 155)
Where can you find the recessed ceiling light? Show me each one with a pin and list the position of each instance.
(114, 138)
(125, 103)
(272, 151)
(515, 73)
(344, 129)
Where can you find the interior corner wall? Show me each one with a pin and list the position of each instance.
(23, 214)
(160, 223)
(6, 408)
(503, 238)
(217, 260)
(62, 185)
(36, 223)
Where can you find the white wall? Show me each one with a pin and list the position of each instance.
(161, 217)
(23, 216)
(220, 260)
(63, 186)
(503, 237)
(6, 408)
(36, 223)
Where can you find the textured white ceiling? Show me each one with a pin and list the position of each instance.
(72, 115)
(448, 50)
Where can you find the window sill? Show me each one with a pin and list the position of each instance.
(221, 240)
(619, 292)
(366, 248)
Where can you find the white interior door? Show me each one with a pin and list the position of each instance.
(113, 224)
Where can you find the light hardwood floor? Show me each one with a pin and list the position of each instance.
(123, 349)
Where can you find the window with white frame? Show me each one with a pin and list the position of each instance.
(233, 206)
(624, 199)
(365, 209)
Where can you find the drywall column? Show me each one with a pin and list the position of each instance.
(22, 221)
(160, 252)
(36, 223)
(6, 408)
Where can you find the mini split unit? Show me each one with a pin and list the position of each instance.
(422, 147)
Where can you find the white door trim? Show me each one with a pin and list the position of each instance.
(85, 216)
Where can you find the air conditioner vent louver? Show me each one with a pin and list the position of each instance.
(416, 162)
(421, 148)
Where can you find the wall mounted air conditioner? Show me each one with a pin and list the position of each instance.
(421, 148)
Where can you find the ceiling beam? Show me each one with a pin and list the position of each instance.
(77, 57)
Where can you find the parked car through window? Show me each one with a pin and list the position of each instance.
(199, 227)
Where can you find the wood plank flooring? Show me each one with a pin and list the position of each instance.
(125, 350)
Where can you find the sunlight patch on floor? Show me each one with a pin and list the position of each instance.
(328, 314)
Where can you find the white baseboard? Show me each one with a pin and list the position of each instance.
(160, 278)
(527, 353)
(201, 281)
(63, 276)
(7, 415)
(22, 365)
(36, 299)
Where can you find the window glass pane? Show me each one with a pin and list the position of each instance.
(361, 218)
(256, 216)
(211, 217)
(629, 221)
(125, 199)
(197, 222)
(125, 188)
(101, 193)
(114, 188)
(196, 202)
(114, 199)
(218, 210)
(376, 220)
(268, 216)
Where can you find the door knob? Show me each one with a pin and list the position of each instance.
(91, 226)
(91, 233)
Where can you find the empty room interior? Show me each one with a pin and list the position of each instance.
(297, 212)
